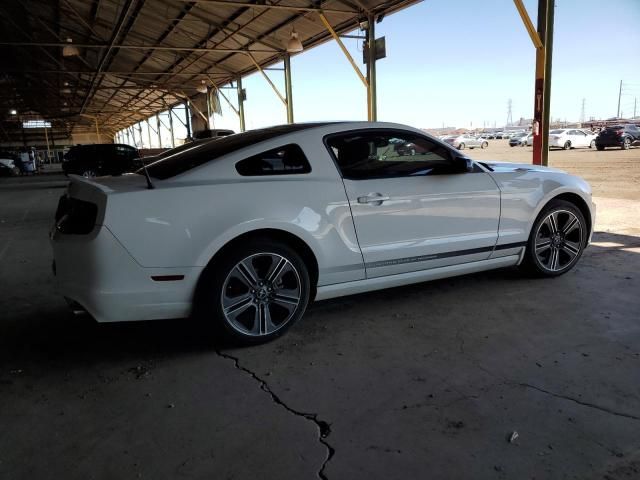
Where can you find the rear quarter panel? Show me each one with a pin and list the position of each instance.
(185, 221)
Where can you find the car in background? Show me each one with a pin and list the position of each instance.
(245, 231)
(6, 171)
(212, 133)
(10, 164)
(521, 139)
(623, 136)
(567, 138)
(100, 159)
(466, 141)
(149, 159)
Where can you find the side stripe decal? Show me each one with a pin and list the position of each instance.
(424, 258)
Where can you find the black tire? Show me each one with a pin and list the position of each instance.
(461, 146)
(218, 281)
(592, 144)
(599, 147)
(539, 264)
(484, 145)
(626, 144)
(566, 146)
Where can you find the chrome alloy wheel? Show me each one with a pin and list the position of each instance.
(559, 240)
(261, 294)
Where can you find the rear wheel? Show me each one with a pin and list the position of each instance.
(566, 146)
(89, 173)
(257, 292)
(592, 144)
(484, 145)
(626, 144)
(599, 147)
(557, 239)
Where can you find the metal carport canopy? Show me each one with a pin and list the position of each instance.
(138, 56)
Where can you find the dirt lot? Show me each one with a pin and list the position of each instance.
(612, 173)
(426, 381)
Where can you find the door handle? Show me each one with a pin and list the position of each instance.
(373, 198)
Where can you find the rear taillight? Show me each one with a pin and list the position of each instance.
(75, 217)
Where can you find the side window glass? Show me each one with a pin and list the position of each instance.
(286, 160)
(364, 155)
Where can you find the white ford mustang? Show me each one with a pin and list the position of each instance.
(248, 229)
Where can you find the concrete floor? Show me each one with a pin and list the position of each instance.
(426, 381)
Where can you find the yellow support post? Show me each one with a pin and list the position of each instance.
(344, 49)
(266, 77)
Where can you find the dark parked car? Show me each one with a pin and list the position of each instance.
(101, 159)
(623, 136)
(212, 133)
(6, 171)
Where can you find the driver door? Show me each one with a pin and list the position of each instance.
(417, 210)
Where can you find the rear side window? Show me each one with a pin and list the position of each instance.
(286, 160)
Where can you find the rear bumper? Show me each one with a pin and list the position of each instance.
(101, 276)
(610, 142)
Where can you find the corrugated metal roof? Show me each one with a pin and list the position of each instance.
(161, 49)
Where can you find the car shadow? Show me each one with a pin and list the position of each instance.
(47, 333)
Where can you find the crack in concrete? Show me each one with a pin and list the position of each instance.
(580, 402)
(507, 381)
(324, 428)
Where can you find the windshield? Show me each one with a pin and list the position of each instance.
(199, 153)
(557, 131)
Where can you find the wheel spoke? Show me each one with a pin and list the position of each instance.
(238, 306)
(263, 318)
(571, 248)
(277, 270)
(285, 299)
(552, 222)
(543, 245)
(571, 225)
(554, 259)
(247, 273)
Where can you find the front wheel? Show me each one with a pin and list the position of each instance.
(566, 146)
(626, 144)
(557, 240)
(461, 146)
(484, 145)
(257, 292)
(592, 144)
(599, 147)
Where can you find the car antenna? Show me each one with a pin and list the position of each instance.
(146, 174)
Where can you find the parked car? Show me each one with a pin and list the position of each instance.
(245, 231)
(172, 151)
(521, 139)
(212, 133)
(623, 136)
(466, 141)
(567, 138)
(100, 159)
(6, 171)
(11, 164)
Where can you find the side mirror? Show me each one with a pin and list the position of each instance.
(463, 164)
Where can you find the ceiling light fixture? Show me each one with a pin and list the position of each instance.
(202, 88)
(13, 111)
(294, 45)
(70, 50)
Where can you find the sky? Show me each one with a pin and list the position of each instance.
(457, 63)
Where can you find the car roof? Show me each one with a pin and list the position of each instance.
(191, 158)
